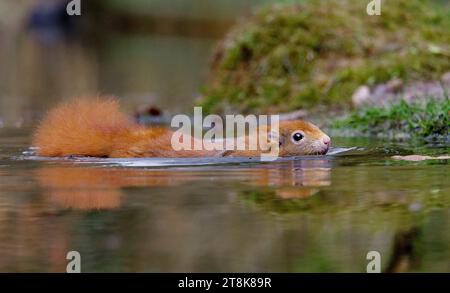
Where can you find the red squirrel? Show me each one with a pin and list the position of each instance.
(98, 128)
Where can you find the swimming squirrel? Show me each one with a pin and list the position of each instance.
(98, 128)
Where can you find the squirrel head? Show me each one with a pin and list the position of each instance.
(298, 138)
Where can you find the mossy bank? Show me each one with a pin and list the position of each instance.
(427, 121)
(313, 53)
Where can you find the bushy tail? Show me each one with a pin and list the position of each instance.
(82, 127)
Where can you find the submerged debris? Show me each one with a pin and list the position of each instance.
(417, 158)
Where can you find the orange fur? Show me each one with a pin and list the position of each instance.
(99, 128)
(82, 127)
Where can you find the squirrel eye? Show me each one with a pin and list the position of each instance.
(297, 137)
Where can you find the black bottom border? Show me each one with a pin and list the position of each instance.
(271, 281)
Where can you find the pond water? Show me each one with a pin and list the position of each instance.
(311, 214)
(316, 214)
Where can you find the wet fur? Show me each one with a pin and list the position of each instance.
(98, 128)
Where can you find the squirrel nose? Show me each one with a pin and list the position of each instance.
(326, 140)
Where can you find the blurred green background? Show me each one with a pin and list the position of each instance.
(153, 52)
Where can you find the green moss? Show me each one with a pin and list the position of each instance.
(300, 55)
(428, 121)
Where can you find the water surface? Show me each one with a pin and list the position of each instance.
(316, 214)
